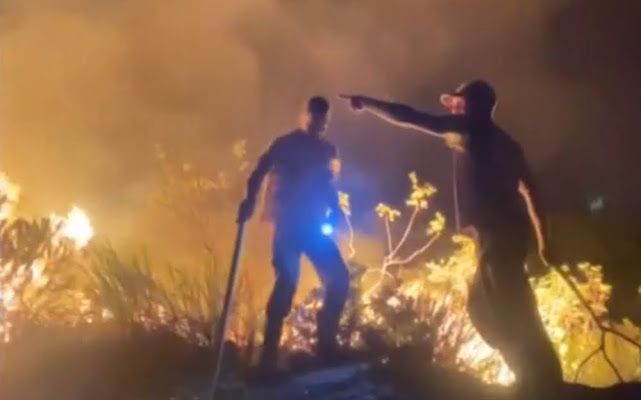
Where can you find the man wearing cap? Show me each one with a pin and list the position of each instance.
(500, 206)
(302, 165)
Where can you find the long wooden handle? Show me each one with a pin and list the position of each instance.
(221, 329)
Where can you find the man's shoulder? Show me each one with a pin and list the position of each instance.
(298, 137)
(291, 135)
(286, 139)
(327, 144)
(507, 140)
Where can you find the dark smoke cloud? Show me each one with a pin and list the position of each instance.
(89, 86)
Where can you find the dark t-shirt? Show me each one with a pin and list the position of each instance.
(488, 173)
(301, 180)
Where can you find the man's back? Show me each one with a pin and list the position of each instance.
(301, 176)
(489, 171)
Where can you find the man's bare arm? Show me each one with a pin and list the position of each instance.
(254, 182)
(257, 176)
(334, 169)
(527, 189)
(406, 116)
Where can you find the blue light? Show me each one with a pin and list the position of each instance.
(327, 229)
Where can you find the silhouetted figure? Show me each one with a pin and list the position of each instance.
(500, 205)
(301, 197)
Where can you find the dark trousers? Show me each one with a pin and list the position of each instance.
(291, 240)
(503, 309)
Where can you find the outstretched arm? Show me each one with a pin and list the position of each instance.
(406, 116)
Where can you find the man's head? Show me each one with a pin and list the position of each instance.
(476, 99)
(316, 116)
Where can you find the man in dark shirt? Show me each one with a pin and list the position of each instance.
(499, 207)
(302, 198)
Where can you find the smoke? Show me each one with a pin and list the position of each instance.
(87, 88)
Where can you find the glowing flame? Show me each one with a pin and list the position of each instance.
(76, 227)
(24, 282)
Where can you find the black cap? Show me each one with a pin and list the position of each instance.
(478, 92)
(318, 105)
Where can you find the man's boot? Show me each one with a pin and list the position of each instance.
(268, 362)
(328, 350)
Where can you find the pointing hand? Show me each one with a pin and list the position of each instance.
(355, 101)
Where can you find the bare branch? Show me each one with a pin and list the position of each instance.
(384, 274)
(388, 233)
(406, 234)
(621, 335)
(585, 360)
(602, 327)
(417, 253)
(350, 243)
(607, 358)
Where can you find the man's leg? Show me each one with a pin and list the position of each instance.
(531, 352)
(543, 374)
(481, 313)
(523, 340)
(286, 262)
(332, 271)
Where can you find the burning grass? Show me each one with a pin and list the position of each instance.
(36, 284)
(53, 277)
(425, 301)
